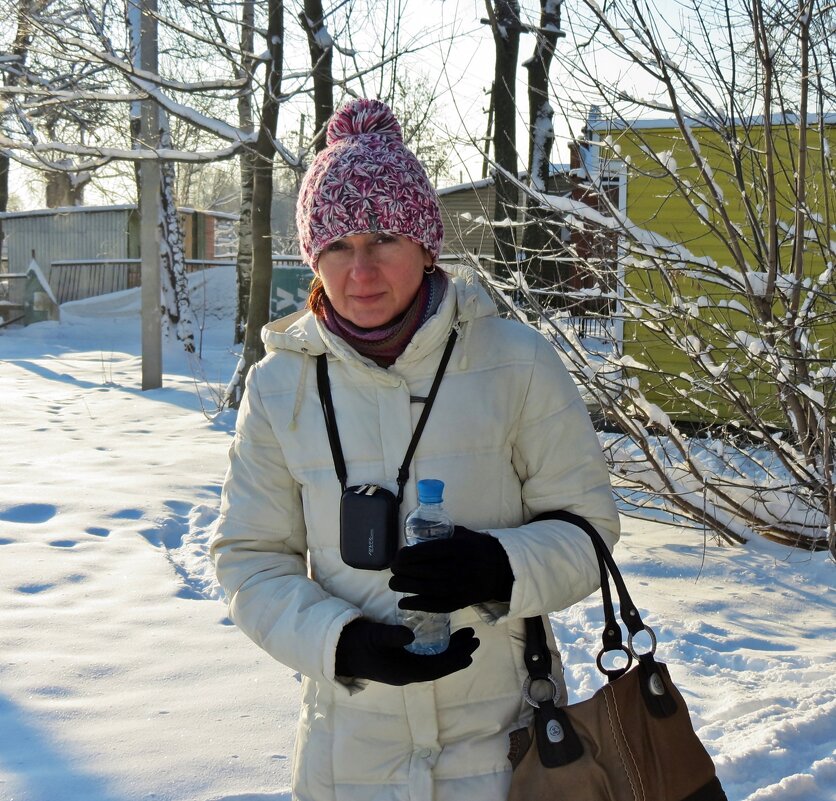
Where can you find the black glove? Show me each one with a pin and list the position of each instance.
(375, 651)
(444, 575)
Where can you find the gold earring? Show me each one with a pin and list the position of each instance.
(429, 269)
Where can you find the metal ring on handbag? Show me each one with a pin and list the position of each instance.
(617, 671)
(652, 642)
(527, 690)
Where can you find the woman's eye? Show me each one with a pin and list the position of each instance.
(334, 246)
(385, 239)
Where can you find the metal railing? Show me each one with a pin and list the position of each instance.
(593, 327)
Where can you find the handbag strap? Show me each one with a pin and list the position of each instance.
(324, 387)
(611, 636)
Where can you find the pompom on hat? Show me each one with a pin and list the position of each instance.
(366, 180)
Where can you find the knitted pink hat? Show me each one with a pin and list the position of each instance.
(366, 180)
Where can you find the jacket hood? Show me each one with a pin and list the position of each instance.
(302, 333)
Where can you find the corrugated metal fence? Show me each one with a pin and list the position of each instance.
(75, 279)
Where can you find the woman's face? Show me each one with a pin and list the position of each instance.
(371, 278)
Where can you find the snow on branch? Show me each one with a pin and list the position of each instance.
(121, 154)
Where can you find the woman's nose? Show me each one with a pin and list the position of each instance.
(362, 264)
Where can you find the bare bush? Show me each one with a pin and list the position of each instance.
(701, 248)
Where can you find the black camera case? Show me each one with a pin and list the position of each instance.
(368, 527)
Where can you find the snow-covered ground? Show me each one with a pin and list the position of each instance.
(122, 679)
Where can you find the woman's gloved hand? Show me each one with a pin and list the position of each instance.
(445, 575)
(375, 651)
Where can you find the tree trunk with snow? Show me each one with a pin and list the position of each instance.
(65, 189)
(258, 312)
(174, 283)
(504, 18)
(321, 49)
(539, 237)
(12, 71)
(244, 257)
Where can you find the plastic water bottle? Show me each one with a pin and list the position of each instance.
(428, 521)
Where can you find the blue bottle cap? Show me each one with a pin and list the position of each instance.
(430, 490)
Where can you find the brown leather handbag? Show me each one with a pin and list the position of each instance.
(631, 741)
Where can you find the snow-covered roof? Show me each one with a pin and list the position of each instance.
(555, 168)
(480, 184)
(701, 121)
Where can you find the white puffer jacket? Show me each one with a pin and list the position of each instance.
(510, 438)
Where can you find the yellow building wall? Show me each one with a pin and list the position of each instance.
(654, 204)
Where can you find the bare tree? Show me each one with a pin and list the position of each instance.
(173, 282)
(244, 258)
(415, 104)
(538, 234)
(504, 19)
(13, 66)
(258, 312)
(321, 47)
(70, 114)
(716, 364)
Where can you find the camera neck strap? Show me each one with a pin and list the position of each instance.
(323, 384)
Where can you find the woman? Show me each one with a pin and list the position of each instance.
(509, 436)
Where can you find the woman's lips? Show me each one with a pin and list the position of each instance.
(367, 298)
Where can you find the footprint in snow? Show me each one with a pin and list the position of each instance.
(179, 507)
(29, 513)
(183, 535)
(34, 589)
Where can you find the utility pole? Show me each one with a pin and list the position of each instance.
(149, 210)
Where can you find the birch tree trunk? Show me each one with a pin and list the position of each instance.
(174, 283)
(244, 258)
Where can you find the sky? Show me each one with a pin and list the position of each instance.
(454, 54)
(123, 679)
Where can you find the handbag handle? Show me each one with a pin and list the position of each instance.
(611, 637)
(557, 741)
